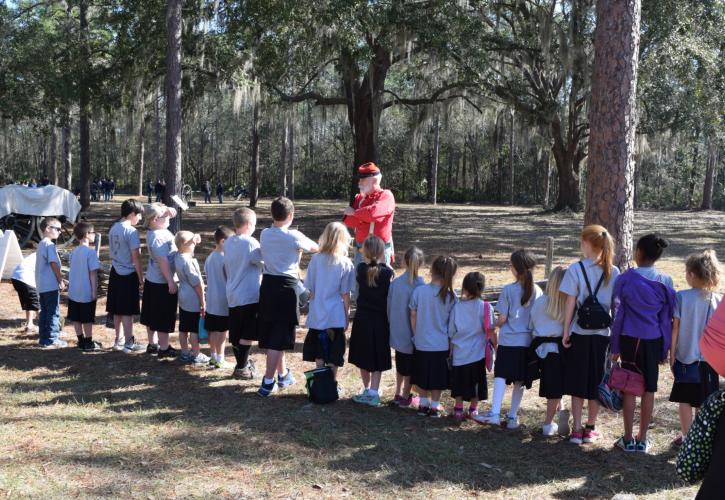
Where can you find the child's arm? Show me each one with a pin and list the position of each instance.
(568, 315)
(675, 336)
(199, 289)
(58, 276)
(93, 275)
(501, 320)
(413, 318)
(346, 305)
(136, 259)
(165, 269)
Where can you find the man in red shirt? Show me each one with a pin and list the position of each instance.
(372, 211)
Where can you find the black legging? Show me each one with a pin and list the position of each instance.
(713, 485)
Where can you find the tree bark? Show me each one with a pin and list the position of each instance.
(141, 150)
(254, 158)
(84, 111)
(67, 164)
(173, 104)
(434, 162)
(547, 177)
(612, 119)
(53, 155)
(709, 175)
(157, 136)
(282, 188)
(511, 159)
(291, 162)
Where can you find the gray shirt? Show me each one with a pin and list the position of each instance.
(328, 281)
(160, 243)
(216, 285)
(541, 324)
(651, 273)
(25, 271)
(515, 332)
(573, 284)
(466, 331)
(243, 275)
(280, 250)
(399, 293)
(122, 239)
(432, 315)
(83, 260)
(694, 308)
(189, 274)
(44, 276)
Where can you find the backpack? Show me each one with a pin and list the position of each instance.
(321, 385)
(609, 398)
(591, 314)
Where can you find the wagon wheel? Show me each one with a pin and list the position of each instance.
(66, 236)
(186, 192)
(22, 225)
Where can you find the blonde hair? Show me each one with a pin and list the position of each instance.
(373, 250)
(444, 268)
(153, 211)
(601, 241)
(242, 216)
(555, 299)
(183, 238)
(335, 241)
(413, 260)
(705, 267)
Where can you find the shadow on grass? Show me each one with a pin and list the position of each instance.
(378, 445)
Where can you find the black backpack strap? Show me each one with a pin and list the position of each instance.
(599, 284)
(586, 279)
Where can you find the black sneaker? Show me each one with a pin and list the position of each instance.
(91, 345)
(152, 349)
(82, 343)
(169, 353)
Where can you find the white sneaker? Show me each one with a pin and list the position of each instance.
(133, 346)
(488, 418)
(201, 359)
(118, 346)
(563, 422)
(551, 429)
(512, 422)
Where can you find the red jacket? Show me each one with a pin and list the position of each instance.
(377, 207)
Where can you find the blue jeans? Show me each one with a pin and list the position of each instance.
(49, 318)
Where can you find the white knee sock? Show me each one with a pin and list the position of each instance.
(499, 389)
(516, 397)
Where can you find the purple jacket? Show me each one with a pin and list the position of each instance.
(642, 309)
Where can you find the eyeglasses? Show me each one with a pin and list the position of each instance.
(57, 228)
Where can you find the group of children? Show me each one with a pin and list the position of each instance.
(565, 336)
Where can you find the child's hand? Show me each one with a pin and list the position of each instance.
(196, 239)
(61, 285)
(672, 359)
(171, 212)
(615, 358)
(202, 310)
(140, 286)
(172, 288)
(566, 341)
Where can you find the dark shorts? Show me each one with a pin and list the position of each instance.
(644, 359)
(123, 296)
(158, 311)
(511, 364)
(81, 312)
(430, 370)
(584, 365)
(469, 381)
(404, 363)
(214, 323)
(312, 349)
(243, 323)
(695, 394)
(28, 295)
(189, 321)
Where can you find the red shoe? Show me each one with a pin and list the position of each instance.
(590, 436)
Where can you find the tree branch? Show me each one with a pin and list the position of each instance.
(318, 98)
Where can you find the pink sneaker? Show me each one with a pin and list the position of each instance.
(397, 400)
(410, 402)
(472, 413)
(576, 437)
(590, 436)
(458, 414)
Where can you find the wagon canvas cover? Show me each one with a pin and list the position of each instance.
(46, 200)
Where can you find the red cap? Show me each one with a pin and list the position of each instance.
(368, 169)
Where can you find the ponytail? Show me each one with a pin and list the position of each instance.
(523, 263)
(373, 250)
(444, 269)
(413, 261)
(601, 241)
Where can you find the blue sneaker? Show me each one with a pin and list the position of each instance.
(267, 389)
(286, 381)
(186, 357)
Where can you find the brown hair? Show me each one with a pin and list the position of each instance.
(222, 233)
(373, 250)
(523, 263)
(444, 268)
(46, 222)
(474, 284)
(601, 241)
(413, 260)
(82, 229)
(705, 267)
(281, 208)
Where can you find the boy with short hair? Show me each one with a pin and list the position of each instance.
(49, 283)
(23, 280)
(216, 320)
(278, 301)
(83, 286)
(244, 274)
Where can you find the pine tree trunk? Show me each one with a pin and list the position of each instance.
(511, 159)
(547, 177)
(709, 175)
(173, 104)
(157, 136)
(291, 162)
(141, 150)
(53, 155)
(84, 111)
(282, 188)
(254, 158)
(67, 164)
(434, 162)
(612, 122)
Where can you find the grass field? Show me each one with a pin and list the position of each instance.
(109, 424)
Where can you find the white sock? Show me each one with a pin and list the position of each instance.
(435, 404)
(372, 392)
(423, 401)
(516, 397)
(499, 389)
(268, 380)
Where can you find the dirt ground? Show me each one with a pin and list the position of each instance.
(109, 424)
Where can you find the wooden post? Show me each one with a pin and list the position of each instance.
(549, 257)
(97, 245)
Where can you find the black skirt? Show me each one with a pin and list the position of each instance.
(28, 295)
(584, 365)
(469, 381)
(243, 323)
(551, 383)
(312, 349)
(81, 312)
(123, 296)
(511, 364)
(430, 370)
(189, 321)
(278, 312)
(404, 363)
(158, 311)
(370, 342)
(214, 323)
(695, 394)
(646, 357)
